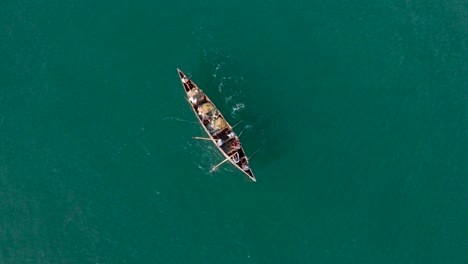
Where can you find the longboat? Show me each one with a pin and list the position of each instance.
(216, 126)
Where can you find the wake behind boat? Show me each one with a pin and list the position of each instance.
(216, 126)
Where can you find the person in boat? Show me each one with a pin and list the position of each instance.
(245, 167)
(232, 134)
(206, 120)
(193, 100)
(237, 144)
(219, 142)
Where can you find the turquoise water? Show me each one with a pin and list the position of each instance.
(358, 110)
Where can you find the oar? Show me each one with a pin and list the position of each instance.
(179, 119)
(237, 124)
(219, 164)
(202, 138)
(254, 153)
(247, 126)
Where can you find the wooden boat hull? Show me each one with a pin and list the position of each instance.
(216, 126)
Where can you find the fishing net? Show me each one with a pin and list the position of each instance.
(219, 123)
(206, 108)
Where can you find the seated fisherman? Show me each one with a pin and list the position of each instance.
(193, 100)
(232, 134)
(237, 144)
(232, 146)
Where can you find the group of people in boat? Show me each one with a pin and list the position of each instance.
(223, 135)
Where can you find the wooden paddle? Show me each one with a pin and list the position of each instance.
(219, 164)
(202, 138)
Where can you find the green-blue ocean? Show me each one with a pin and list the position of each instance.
(357, 112)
